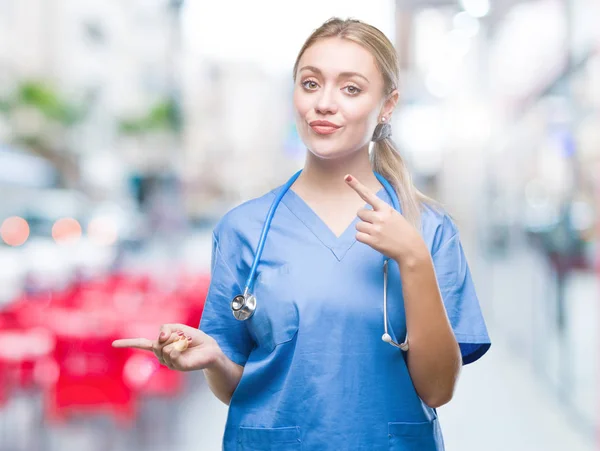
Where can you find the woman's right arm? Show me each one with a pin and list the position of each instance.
(223, 377)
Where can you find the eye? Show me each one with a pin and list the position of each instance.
(353, 90)
(311, 85)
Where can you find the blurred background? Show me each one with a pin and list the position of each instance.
(129, 127)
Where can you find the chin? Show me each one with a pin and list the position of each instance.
(328, 150)
(331, 155)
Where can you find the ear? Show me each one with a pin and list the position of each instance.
(390, 103)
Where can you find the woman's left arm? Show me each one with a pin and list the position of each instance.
(434, 357)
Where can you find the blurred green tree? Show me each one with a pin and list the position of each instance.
(162, 117)
(40, 119)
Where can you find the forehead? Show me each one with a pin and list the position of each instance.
(336, 55)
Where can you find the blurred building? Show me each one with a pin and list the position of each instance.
(238, 116)
(500, 121)
(115, 59)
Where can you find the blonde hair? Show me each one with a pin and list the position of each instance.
(385, 158)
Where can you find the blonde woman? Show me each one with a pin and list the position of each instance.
(354, 260)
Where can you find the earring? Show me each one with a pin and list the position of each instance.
(382, 131)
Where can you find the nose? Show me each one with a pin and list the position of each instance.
(326, 103)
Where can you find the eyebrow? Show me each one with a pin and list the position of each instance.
(343, 74)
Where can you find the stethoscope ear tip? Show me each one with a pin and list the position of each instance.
(386, 338)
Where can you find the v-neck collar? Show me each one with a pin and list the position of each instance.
(339, 246)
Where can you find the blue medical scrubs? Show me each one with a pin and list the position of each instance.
(317, 375)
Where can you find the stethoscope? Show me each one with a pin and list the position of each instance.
(243, 306)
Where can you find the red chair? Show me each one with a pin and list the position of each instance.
(82, 372)
(90, 370)
(20, 352)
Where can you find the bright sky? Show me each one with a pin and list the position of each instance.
(271, 31)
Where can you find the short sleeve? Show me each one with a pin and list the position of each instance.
(459, 296)
(217, 320)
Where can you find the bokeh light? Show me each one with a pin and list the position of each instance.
(66, 230)
(14, 231)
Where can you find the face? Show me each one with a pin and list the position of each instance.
(339, 98)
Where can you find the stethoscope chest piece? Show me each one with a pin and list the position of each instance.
(243, 306)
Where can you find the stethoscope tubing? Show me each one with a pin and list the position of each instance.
(249, 286)
(265, 231)
(243, 306)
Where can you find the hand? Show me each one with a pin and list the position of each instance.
(179, 347)
(383, 228)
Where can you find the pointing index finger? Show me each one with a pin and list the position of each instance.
(365, 193)
(138, 343)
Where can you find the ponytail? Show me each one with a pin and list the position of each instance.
(386, 160)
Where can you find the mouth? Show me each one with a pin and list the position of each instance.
(324, 127)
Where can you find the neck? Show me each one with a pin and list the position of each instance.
(327, 176)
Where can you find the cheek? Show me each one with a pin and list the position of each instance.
(362, 118)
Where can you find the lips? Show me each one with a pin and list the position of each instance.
(324, 127)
